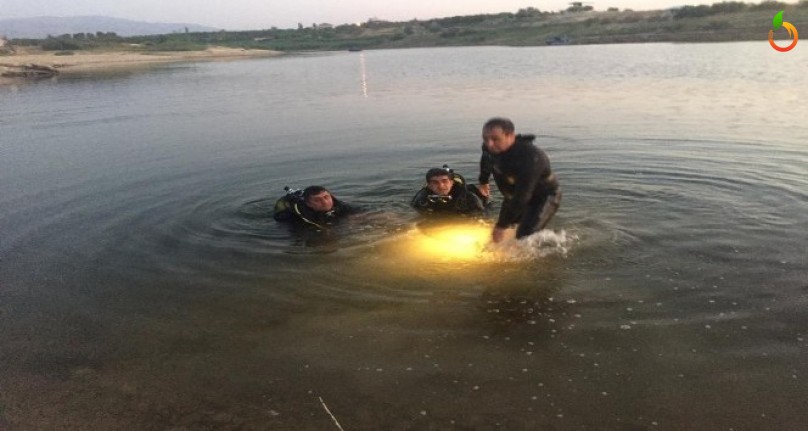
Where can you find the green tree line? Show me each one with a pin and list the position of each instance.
(728, 20)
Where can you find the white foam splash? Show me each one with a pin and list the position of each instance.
(539, 245)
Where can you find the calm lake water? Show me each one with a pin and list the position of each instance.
(145, 286)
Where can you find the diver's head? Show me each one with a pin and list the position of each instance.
(440, 180)
(318, 198)
(498, 135)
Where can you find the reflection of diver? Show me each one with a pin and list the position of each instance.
(313, 207)
(524, 296)
(447, 192)
(513, 310)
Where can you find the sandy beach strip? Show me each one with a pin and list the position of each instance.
(101, 61)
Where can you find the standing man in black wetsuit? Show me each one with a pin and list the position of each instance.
(523, 176)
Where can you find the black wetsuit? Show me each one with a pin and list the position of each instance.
(462, 199)
(530, 189)
(301, 214)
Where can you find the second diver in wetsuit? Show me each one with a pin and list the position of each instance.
(446, 192)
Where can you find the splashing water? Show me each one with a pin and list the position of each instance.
(539, 245)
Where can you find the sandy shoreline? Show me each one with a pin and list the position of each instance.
(104, 61)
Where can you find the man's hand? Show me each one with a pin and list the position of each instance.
(484, 189)
(498, 234)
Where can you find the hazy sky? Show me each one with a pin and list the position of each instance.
(261, 14)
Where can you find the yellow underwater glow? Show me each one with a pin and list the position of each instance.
(451, 243)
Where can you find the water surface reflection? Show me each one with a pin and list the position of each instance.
(144, 284)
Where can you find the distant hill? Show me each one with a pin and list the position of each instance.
(42, 27)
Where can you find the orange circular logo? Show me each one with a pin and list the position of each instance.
(777, 22)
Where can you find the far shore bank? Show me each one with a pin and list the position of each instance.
(84, 62)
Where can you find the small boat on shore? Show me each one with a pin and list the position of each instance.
(557, 40)
(33, 71)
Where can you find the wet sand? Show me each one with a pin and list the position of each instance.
(104, 61)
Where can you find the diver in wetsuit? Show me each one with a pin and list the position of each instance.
(446, 192)
(315, 206)
(523, 175)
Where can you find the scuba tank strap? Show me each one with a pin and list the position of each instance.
(299, 213)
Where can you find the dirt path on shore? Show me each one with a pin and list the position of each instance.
(100, 61)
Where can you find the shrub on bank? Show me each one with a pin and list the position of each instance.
(59, 45)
